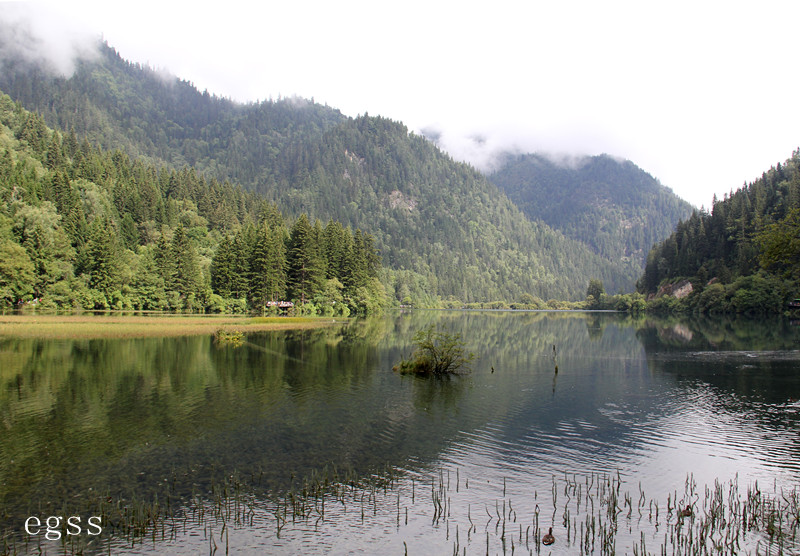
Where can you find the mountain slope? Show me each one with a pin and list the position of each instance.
(437, 217)
(442, 228)
(82, 227)
(118, 104)
(615, 208)
(743, 256)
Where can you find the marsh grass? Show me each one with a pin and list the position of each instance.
(140, 326)
(589, 514)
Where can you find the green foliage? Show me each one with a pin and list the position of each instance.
(369, 298)
(306, 265)
(712, 299)
(268, 266)
(100, 257)
(594, 292)
(633, 303)
(595, 289)
(16, 272)
(232, 338)
(80, 227)
(439, 222)
(438, 353)
(187, 272)
(743, 256)
(331, 300)
(754, 294)
(757, 293)
(779, 245)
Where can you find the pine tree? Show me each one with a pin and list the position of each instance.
(102, 256)
(222, 268)
(780, 246)
(363, 263)
(128, 232)
(34, 132)
(70, 144)
(165, 263)
(69, 205)
(242, 252)
(187, 272)
(268, 267)
(6, 168)
(306, 271)
(55, 160)
(335, 248)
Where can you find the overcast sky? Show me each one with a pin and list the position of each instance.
(702, 95)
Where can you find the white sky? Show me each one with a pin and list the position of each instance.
(703, 95)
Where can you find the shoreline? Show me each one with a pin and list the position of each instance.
(74, 327)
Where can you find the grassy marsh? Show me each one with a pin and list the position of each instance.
(73, 327)
(589, 514)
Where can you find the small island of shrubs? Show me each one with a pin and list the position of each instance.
(438, 353)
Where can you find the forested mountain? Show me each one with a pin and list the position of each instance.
(442, 229)
(86, 228)
(618, 210)
(117, 104)
(743, 256)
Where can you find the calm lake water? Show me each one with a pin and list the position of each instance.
(473, 464)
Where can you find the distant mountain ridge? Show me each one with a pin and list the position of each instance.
(443, 229)
(115, 103)
(612, 206)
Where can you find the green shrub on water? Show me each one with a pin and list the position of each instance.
(438, 353)
(232, 338)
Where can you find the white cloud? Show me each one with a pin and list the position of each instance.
(700, 95)
(39, 34)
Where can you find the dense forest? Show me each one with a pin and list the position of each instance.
(444, 232)
(266, 201)
(742, 256)
(86, 228)
(615, 208)
(155, 117)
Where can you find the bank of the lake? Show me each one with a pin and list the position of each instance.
(65, 327)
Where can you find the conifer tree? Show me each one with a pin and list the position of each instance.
(70, 143)
(34, 132)
(6, 168)
(335, 247)
(364, 261)
(306, 271)
(102, 257)
(128, 232)
(240, 264)
(55, 160)
(187, 271)
(222, 268)
(268, 267)
(164, 261)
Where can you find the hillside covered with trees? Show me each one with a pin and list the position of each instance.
(81, 227)
(613, 207)
(443, 231)
(741, 256)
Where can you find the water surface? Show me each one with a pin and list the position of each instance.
(550, 395)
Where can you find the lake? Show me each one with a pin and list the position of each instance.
(306, 442)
